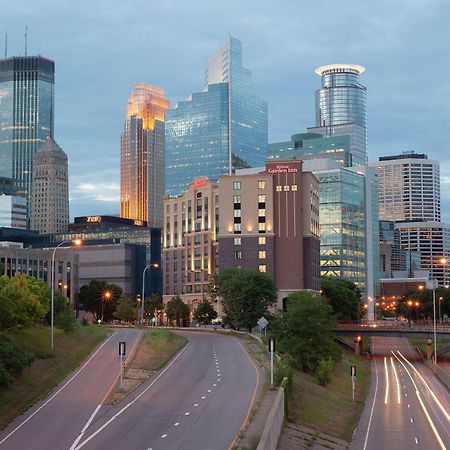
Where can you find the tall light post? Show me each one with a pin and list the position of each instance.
(155, 266)
(52, 278)
(432, 283)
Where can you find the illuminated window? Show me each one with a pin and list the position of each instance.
(261, 198)
(278, 188)
(261, 184)
(262, 240)
(237, 227)
(262, 254)
(236, 185)
(262, 268)
(261, 227)
(261, 212)
(237, 213)
(286, 188)
(237, 241)
(237, 254)
(236, 199)
(294, 187)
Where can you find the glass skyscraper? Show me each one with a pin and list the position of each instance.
(220, 129)
(142, 156)
(341, 107)
(26, 116)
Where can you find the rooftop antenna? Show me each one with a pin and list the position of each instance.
(26, 40)
(6, 44)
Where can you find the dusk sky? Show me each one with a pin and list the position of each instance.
(102, 48)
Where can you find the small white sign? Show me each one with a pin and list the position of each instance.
(262, 323)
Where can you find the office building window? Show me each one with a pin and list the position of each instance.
(294, 187)
(262, 227)
(261, 198)
(236, 199)
(237, 241)
(286, 188)
(262, 268)
(279, 189)
(262, 254)
(261, 184)
(262, 240)
(237, 228)
(237, 213)
(261, 212)
(237, 254)
(236, 185)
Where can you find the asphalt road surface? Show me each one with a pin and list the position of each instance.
(407, 407)
(199, 401)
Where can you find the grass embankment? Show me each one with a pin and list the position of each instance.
(421, 343)
(156, 348)
(330, 409)
(47, 369)
(153, 352)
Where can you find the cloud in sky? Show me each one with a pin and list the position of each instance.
(101, 48)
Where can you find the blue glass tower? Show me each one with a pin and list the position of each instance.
(220, 129)
(341, 107)
(26, 116)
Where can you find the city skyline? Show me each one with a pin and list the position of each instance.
(404, 87)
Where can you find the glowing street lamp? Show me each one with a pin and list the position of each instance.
(106, 297)
(76, 242)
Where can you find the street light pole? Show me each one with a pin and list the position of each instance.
(52, 278)
(434, 320)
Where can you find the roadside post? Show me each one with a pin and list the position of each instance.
(262, 323)
(272, 349)
(353, 375)
(122, 352)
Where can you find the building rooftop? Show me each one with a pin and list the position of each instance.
(339, 68)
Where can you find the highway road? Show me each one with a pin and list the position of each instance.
(54, 422)
(199, 401)
(407, 407)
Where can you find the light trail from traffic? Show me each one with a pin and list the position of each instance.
(386, 371)
(427, 415)
(396, 381)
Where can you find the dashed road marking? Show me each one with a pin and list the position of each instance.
(164, 436)
(186, 414)
(209, 390)
(417, 441)
(203, 397)
(411, 419)
(214, 384)
(195, 404)
(176, 424)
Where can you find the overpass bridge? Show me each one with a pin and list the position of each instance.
(392, 329)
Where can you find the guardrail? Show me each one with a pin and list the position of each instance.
(389, 326)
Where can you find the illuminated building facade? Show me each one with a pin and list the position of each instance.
(142, 156)
(269, 221)
(219, 130)
(341, 107)
(191, 223)
(26, 116)
(50, 189)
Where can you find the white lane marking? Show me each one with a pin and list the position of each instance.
(406, 395)
(57, 392)
(441, 407)
(176, 424)
(411, 419)
(186, 414)
(417, 441)
(203, 397)
(427, 415)
(131, 403)
(218, 379)
(195, 404)
(409, 406)
(209, 390)
(164, 436)
(214, 384)
(386, 372)
(373, 404)
(396, 381)
(85, 428)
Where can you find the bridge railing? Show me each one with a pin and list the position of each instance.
(382, 325)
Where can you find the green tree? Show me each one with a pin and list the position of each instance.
(19, 306)
(94, 294)
(177, 310)
(153, 305)
(205, 312)
(246, 296)
(126, 310)
(343, 295)
(304, 330)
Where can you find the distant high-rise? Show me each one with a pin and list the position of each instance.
(142, 156)
(220, 129)
(341, 107)
(50, 189)
(26, 116)
(409, 188)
